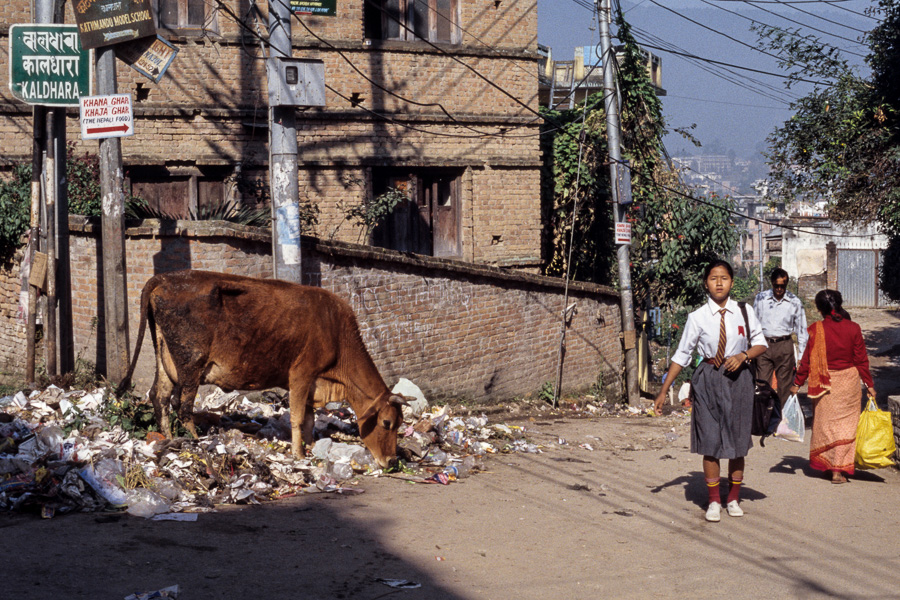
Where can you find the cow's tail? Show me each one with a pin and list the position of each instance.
(145, 308)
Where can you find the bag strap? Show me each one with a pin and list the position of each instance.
(743, 307)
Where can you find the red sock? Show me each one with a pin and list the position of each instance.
(734, 491)
(712, 485)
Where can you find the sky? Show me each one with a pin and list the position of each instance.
(733, 109)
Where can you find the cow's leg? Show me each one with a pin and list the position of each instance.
(160, 394)
(302, 418)
(165, 385)
(186, 406)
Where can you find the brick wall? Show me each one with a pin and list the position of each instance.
(457, 330)
(210, 109)
(12, 331)
(810, 285)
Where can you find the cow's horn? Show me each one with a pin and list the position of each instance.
(400, 400)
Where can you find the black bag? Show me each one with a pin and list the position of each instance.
(766, 403)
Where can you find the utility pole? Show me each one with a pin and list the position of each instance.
(115, 299)
(34, 235)
(760, 242)
(283, 170)
(611, 106)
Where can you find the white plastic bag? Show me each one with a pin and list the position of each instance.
(793, 425)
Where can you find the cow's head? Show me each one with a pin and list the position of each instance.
(378, 427)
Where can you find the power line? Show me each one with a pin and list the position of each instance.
(725, 35)
(726, 103)
(784, 30)
(697, 200)
(733, 66)
(777, 94)
(806, 12)
(254, 34)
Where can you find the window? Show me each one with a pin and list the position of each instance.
(432, 20)
(429, 223)
(179, 192)
(196, 15)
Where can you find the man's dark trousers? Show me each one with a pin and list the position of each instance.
(779, 359)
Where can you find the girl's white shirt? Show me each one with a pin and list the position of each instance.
(701, 332)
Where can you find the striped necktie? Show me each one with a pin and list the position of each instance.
(720, 351)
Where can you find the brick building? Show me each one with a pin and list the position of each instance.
(434, 97)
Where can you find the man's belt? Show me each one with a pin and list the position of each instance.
(775, 340)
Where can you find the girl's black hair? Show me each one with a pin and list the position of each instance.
(718, 263)
(829, 302)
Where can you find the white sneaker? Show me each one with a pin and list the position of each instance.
(734, 509)
(713, 513)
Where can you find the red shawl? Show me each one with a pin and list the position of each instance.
(819, 378)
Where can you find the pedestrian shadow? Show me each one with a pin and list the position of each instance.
(695, 491)
(792, 465)
(869, 476)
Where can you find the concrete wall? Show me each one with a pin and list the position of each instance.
(803, 252)
(456, 329)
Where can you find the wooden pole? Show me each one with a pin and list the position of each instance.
(37, 162)
(50, 188)
(63, 279)
(115, 300)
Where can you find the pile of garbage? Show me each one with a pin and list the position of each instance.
(64, 451)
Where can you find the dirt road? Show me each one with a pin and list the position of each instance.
(613, 508)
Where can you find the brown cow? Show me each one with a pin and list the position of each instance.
(241, 333)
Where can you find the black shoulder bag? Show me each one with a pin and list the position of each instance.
(766, 404)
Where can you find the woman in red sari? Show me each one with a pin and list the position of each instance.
(835, 360)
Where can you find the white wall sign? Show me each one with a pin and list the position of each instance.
(623, 233)
(106, 116)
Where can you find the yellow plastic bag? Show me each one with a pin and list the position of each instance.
(874, 438)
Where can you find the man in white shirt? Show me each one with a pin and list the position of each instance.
(781, 314)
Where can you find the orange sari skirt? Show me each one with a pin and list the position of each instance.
(832, 445)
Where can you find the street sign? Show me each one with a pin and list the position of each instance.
(623, 182)
(106, 116)
(623, 233)
(108, 22)
(47, 64)
(320, 8)
(148, 56)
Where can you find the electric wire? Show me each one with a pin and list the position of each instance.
(693, 198)
(778, 94)
(712, 29)
(806, 12)
(752, 20)
(371, 112)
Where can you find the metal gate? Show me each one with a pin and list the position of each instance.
(857, 278)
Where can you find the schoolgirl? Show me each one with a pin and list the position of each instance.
(722, 385)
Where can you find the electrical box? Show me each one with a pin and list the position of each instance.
(296, 82)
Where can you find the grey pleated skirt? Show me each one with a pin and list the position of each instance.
(722, 412)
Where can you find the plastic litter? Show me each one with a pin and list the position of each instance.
(168, 592)
(101, 477)
(403, 584)
(145, 503)
(242, 456)
(417, 405)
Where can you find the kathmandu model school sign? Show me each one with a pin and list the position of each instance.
(47, 65)
(107, 22)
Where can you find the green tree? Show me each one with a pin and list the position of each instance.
(15, 208)
(576, 178)
(842, 144)
(676, 233)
